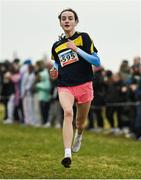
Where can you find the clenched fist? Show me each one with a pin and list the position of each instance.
(53, 73)
(71, 45)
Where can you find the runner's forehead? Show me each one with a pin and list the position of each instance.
(67, 14)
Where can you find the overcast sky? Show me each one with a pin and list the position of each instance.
(30, 27)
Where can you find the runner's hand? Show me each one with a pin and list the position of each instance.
(71, 45)
(53, 73)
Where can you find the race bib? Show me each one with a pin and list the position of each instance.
(68, 57)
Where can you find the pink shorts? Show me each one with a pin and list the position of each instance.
(82, 93)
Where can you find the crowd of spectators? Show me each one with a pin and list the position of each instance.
(30, 97)
(28, 94)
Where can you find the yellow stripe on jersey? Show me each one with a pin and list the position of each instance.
(92, 47)
(78, 42)
(61, 47)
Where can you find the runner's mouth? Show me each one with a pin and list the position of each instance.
(67, 26)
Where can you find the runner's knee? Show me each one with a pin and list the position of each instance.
(68, 113)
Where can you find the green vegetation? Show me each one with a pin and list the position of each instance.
(29, 152)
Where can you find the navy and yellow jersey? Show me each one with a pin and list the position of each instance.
(73, 69)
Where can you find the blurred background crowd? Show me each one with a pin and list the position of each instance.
(29, 97)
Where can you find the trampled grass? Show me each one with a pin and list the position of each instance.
(29, 152)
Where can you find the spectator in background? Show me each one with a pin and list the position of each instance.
(118, 84)
(138, 116)
(1, 78)
(16, 79)
(113, 98)
(43, 88)
(7, 88)
(96, 110)
(124, 70)
(16, 64)
(135, 68)
(55, 111)
(8, 92)
(28, 96)
(132, 85)
(110, 98)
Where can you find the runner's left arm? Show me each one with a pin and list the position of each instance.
(91, 58)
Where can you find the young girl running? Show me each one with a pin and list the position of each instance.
(74, 54)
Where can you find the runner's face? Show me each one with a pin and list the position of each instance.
(68, 22)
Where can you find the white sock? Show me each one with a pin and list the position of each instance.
(68, 152)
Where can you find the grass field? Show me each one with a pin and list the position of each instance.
(27, 152)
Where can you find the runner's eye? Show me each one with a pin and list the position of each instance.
(63, 18)
(70, 18)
